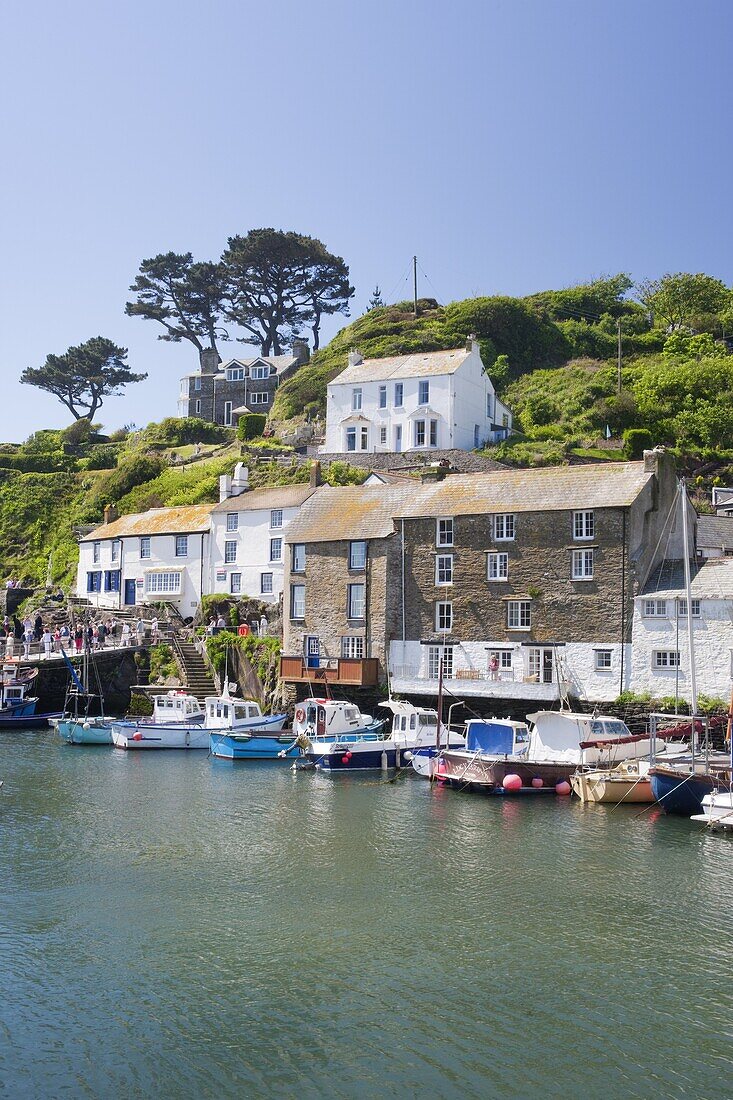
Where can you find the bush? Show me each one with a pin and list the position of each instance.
(162, 663)
(140, 706)
(636, 441)
(251, 425)
(130, 473)
(177, 431)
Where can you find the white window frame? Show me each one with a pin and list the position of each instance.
(357, 399)
(444, 536)
(497, 565)
(352, 647)
(354, 562)
(276, 549)
(399, 395)
(235, 584)
(603, 660)
(96, 552)
(181, 546)
(230, 551)
(505, 527)
(443, 569)
(116, 551)
(163, 582)
(276, 519)
(383, 434)
(364, 439)
(444, 616)
(236, 374)
(266, 584)
(144, 547)
(228, 409)
(583, 565)
(682, 608)
(419, 433)
(584, 525)
(356, 605)
(654, 609)
(260, 372)
(519, 615)
(297, 601)
(433, 433)
(258, 397)
(298, 565)
(382, 398)
(423, 392)
(197, 382)
(665, 659)
(435, 652)
(232, 521)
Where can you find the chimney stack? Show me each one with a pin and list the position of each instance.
(209, 359)
(110, 513)
(472, 343)
(315, 478)
(300, 350)
(355, 358)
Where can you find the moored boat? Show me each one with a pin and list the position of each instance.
(238, 730)
(177, 723)
(482, 735)
(681, 787)
(629, 782)
(717, 810)
(77, 726)
(334, 735)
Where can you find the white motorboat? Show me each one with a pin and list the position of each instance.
(178, 722)
(717, 810)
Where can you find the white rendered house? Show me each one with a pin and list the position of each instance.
(161, 554)
(248, 539)
(418, 402)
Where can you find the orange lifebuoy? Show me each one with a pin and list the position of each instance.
(299, 714)
(243, 630)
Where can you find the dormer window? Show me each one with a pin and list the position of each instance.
(236, 374)
(260, 372)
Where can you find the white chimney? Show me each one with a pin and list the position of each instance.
(355, 358)
(472, 343)
(225, 487)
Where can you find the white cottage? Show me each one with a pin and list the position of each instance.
(419, 402)
(660, 651)
(248, 539)
(161, 554)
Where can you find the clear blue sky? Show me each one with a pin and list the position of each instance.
(514, 145)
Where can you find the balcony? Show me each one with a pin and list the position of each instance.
(349, 671)
(475, 683)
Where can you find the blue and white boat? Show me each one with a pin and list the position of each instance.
(177, 723)
(17, 705)
(77, 726)
(238, 730)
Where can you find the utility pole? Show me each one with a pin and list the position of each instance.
(618, 376)
(414, 282)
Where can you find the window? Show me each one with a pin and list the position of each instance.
(235, 583)
(505, 527)
(503, 658)
(181, 546)
(505, 420)
(297, 601)
(518, 615)
(444, 616)
(276, 549)
(232, 521)
(666, 658)
(299, 557)
(355, 601)
(94, 581)
(351, 439)
(399, 394)
(365, 439)
(260, 372)
(489, 406)
(111, 580)
(198, 404)
(433, 433)
(258, 397)
(444, 532)
(96, 551)
(352, 647)
(228, 406)
(357, 555)
(356, 399)
(655, 608)
(423, 393)
(235, 374)
(476, 435)
(145, 547)
(115, 550)
(383, 397)
(197, 382)
(419, 433)
(266, 584)
(444, 569)
(682, 608)
(230, 551)
(163, 582)
(584, 526)
(603, 660)
(582, 565)
(435, 652)
(498, 567)
(383, 434)
(276, 518)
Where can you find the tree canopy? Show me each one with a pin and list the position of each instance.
(682, 300)
(84, 375)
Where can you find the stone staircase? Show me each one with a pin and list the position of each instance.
(199, 680)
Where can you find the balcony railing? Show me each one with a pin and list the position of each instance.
(351, 671)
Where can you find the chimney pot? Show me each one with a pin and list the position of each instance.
(110, 513)
(355, 358)
(472, 343)
(315, 475)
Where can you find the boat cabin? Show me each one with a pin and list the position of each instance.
(176, 706)
(328, 719)
(497, 736)
(577, 738)
(409, 719)
(224, 713)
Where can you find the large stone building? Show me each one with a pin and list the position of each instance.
(424, 401)
(223, 391)
(521, 583)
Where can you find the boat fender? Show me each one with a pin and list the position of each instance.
(512, 782)
(137, 736)
(188, 738)
(85, 725)
(537, 782)
(562, 788)
(299, 714)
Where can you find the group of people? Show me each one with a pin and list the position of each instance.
(80, 635)
(12, 583)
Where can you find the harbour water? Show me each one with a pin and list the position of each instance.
(175, 927)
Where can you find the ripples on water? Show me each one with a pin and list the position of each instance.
(175, 927)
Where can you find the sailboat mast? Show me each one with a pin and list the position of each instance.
(688, 594)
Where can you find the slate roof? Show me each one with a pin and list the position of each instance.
(417, 365)
(288, 496)
(279, 362)
(711, 579)
(714, 532)
(362, 512)
(156, 521)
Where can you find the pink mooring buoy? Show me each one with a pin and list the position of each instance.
(345, 758)
(537, 783)
(512, 782)
(563, 787)
(137, 737)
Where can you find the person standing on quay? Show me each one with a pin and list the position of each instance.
(27, 639)
(125, 635)
(38, 627)
(140, 631)
(47, 639)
